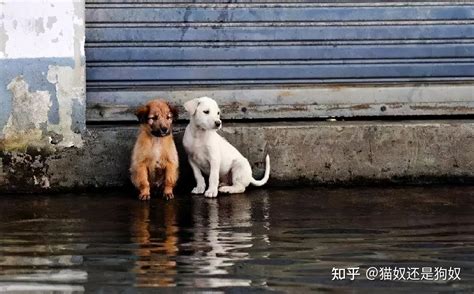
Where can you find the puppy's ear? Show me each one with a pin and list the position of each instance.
(191, 106)
(142, 113)
(174, 111)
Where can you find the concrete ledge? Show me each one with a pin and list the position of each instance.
(301, 153)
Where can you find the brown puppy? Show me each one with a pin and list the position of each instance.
(154, 157)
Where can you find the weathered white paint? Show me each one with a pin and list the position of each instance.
(38, 28)
(45, 93)
(69, 89)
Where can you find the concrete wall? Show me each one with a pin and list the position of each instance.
(311, 153)
(42, 82)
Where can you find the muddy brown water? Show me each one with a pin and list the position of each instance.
(261, 241)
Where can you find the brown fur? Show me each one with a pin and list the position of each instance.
(154, 157)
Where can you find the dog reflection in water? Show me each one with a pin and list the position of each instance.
(225, 227)
(157, 247)
(218, 236)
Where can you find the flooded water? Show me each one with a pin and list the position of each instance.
(264, 240)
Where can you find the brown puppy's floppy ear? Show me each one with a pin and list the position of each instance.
(142, 113)
(174, 111)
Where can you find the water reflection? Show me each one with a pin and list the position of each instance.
(192, 245)
(157, 248)
(35, 252)
(221, 236)
(270, 240)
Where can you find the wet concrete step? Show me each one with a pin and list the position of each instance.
(302, 153)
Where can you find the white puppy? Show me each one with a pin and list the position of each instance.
(210, 153)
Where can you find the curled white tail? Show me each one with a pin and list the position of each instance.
(266, 176)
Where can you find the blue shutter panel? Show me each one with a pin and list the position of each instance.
(157, 46)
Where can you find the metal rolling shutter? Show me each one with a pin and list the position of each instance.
(270, 59)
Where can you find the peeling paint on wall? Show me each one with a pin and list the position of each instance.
(51, 20)
(38, 83)
(34, 73)
(28, 124)
(42, 87)
(69, 90)
(29, 109)
(28, 115)
(39, 26)
(3, 40)
(31, 26)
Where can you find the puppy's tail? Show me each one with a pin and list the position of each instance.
(266, 176)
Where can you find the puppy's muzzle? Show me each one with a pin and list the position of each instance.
(162, 132)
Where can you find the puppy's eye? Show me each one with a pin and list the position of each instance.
(153, 117)
(206, 111)
(218, 113)
(170, 116)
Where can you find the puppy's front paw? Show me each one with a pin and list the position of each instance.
(211, 193)
(144, 196)
(168, 196)
(198, 189)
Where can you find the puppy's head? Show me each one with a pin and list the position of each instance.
(204, 112)
(157, 116)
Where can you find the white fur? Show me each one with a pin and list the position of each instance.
(211, 154)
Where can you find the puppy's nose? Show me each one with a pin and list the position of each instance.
(164, 130)
(218, 123)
